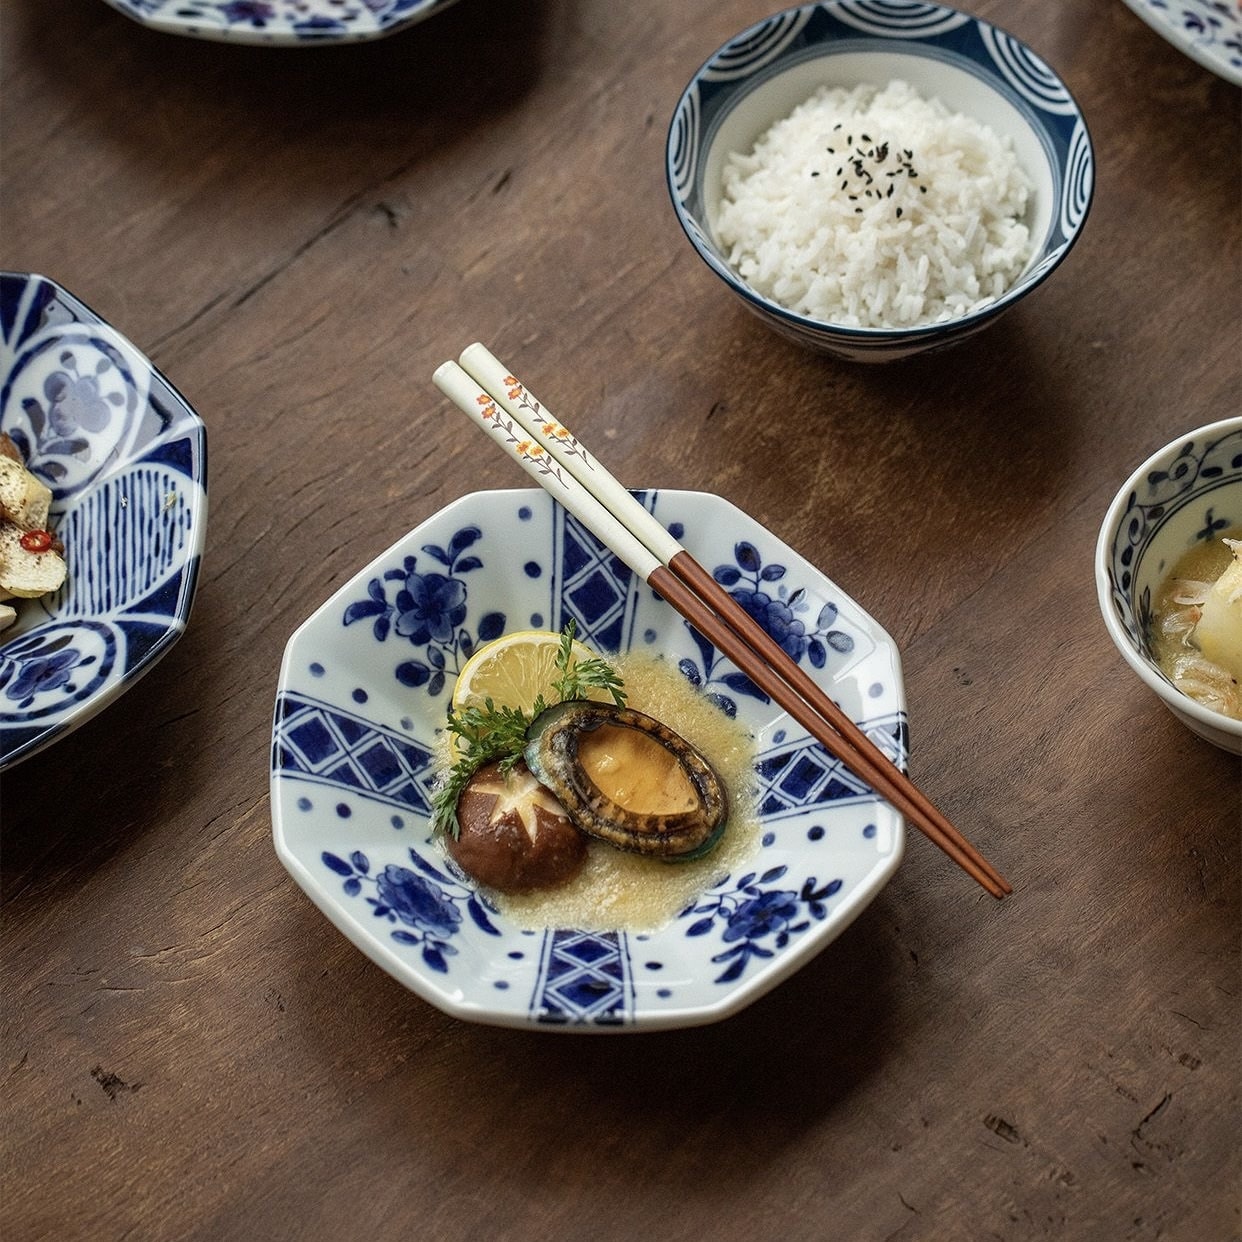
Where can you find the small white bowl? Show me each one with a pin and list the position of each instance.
(1188, 491)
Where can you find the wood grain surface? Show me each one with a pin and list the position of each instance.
(298, 238)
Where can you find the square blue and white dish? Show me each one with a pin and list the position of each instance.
(125, 458)
(289, 23)
(363, 692)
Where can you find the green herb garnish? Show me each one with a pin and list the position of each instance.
(489, 733)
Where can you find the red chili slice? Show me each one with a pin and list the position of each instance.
(36, 540)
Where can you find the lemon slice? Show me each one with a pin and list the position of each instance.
(515, 669)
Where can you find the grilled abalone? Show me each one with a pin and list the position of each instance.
(626, 778)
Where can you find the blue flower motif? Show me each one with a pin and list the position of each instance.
(768, 914)
(428, 610)
(759, 589)
(753, 914)
(40, 672)
(415, 902)
(75, 402)
(430, 607)
(426, 904)
(777, 618)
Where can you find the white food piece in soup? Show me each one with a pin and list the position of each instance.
(1218, 633)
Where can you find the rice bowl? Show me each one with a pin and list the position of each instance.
(992, 79)
(876, 208)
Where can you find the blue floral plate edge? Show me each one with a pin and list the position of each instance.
(18, 744)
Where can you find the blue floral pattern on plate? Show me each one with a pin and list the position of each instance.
(125, 458)
(290, 22)
(1208, 31)
(362, 696)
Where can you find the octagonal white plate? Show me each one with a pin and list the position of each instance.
(291, 23)
(126, 459)
(365, 686)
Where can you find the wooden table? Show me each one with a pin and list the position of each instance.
(297, 238)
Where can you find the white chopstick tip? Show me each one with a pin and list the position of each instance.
(473, 355)
(442, 373)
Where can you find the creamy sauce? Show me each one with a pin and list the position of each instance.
(636, 772)
(618, 891)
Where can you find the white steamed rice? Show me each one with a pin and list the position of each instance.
(808, 218)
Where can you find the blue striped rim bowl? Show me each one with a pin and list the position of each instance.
(1187, 492)
(125, 458)
(362, 697)
(972, 67)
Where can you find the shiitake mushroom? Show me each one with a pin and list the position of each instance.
(513, 835)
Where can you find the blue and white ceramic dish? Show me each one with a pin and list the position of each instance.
(294, 23)
(363, 692)
(1187, 492)
(125, 457)
(1208, 31)
(974, 68)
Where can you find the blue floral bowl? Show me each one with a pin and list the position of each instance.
(125, 457)
(295, 23)
(1187, 492)
(363, 692)
(760, 75)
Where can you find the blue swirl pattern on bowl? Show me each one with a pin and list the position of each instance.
(363, 691)
(910, 28)
(125, 457)
(291, 22)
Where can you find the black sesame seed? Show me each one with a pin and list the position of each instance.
(898, 213)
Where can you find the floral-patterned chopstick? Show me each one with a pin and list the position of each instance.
(496, 401)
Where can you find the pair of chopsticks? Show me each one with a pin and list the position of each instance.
(497, 402)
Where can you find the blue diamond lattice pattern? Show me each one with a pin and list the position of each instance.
(583, 977)
(794, 777)
(595, 588)
(330, 747)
